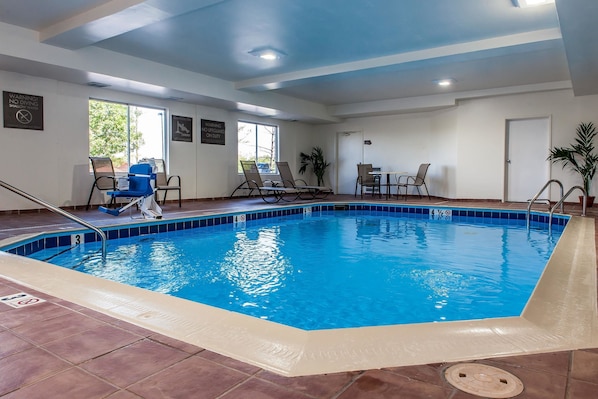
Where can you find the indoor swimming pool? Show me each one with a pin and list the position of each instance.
(335, 269)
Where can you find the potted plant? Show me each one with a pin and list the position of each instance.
(317, 162)
(580, 156)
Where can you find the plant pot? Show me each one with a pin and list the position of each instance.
(589, 201)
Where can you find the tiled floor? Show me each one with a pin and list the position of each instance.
(58, 349)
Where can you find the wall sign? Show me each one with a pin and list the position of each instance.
(182, 128)
(212, 132)
(23, 111)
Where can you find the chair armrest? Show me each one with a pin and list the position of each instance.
(174, 177)
(114, 179)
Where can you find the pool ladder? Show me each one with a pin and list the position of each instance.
(559, 203)
(60, 212)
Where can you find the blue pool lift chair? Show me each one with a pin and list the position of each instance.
(140, 191)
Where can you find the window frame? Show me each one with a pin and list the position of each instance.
(130, 105)
(272, 170)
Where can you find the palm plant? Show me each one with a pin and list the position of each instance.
(317, 162)
(580, 156)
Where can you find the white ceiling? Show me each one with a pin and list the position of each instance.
(343, 58)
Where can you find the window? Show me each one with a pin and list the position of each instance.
(259, 143)
(125, 133)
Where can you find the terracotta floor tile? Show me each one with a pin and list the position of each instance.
(585, 366)
(27, 367)
(317, 386)
(375, 384)
(192, 378)
(539, 385)
(10, 344)
(123, 394)
(71, 323)
(132, 363)
(229, 362)
(91, 343)
(430, 373)
(414, 389)
(582, 390)
(14, 317)
(557, 362)
(260, 389)
(175, 343)
(71, 383)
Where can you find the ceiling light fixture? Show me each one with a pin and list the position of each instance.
(267, 54)
(531, 3)
(445, 82)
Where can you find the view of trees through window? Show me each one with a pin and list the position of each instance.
(125, 133)
(259, 143)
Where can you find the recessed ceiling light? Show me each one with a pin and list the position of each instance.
(267, 54)
(531, 3)
(445, 82)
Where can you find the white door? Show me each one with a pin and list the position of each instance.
(527, 170)
(349, 154)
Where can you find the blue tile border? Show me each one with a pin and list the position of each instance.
(59, 239)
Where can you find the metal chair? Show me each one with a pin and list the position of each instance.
(163, 181)
(104, 178)
(365, 178)
(416, 181)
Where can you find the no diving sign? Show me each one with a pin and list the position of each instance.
(20, 300)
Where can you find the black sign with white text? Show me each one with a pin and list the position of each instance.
(212, 132)
(23, 111)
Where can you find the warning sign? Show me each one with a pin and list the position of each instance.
(23, 111)
(20, 300)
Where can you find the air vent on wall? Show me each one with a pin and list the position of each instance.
(97, 84)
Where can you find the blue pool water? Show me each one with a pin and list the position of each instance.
(335, 269)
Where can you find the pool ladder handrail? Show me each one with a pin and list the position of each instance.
(583, 207)
(60, 212)
(535, 198)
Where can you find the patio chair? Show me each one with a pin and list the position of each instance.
(163, 181)
(270, 194)
(416, 181)
(288, 180)
(140, 191)
(104, 178)
(366, 179)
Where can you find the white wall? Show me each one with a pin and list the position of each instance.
(465, 144)
(53, 164)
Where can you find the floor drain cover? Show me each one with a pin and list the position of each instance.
(484, 381)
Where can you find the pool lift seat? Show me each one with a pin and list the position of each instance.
(141, 190)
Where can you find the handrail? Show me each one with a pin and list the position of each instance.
(60, 212)
(531, 202)
(583, 207)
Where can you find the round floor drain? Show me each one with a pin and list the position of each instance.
(485, 381)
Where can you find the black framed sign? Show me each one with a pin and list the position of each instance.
(23, 111)
(212, 132)
(182, 128)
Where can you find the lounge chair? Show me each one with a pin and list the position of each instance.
(287, 180)
(269, 194)
(416, 181)
(140, 191)
(104, 178)
(366, 179)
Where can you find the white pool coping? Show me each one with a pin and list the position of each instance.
(561, 315)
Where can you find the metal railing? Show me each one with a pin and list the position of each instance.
(535, 198)
(60, 212)
(583, 207)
